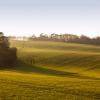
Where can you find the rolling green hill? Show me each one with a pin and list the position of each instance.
(67, 57)
(52, 70)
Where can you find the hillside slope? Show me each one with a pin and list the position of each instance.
(69, 57)
(52, 71)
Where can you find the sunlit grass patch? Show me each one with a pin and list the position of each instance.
(52, 71)
(15, 85)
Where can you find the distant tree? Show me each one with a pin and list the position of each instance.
(83, 37)
(33, 36)
(43, 36)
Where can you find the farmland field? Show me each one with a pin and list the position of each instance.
(52, 71)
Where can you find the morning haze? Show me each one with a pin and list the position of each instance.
(46, 50)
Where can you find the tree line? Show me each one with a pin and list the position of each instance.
(67, 38)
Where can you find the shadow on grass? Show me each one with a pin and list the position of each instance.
(23, 67)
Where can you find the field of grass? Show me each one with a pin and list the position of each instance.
(52, 71)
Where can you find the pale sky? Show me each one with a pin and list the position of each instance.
(27, 17)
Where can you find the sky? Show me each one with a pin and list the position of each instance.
(27, 17)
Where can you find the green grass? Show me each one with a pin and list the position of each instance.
(22, 86)
(52, 71)
(77, 58)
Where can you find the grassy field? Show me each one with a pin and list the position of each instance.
(52, 71)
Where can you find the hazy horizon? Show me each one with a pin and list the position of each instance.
(27, 17)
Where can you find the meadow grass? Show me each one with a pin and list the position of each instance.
(31, 86)
(52, 71)
(68, 57)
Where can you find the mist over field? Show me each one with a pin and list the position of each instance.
(41, 68)
(49, 49)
